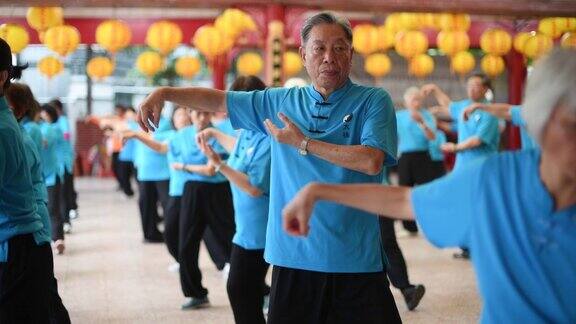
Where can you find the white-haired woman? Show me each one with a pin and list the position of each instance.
(516, 210)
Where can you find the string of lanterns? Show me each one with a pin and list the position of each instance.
(402, 32)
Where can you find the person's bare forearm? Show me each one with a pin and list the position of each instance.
(381, 200)
(151, 143)
(500, 110)
(241, 180)
(428, 132)
(224, 139)
(203, 169)
(468, 144)
(202, 99)
(359, 158)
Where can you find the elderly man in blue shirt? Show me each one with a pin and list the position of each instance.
(332, 131)
(516, 210)
(25, 256)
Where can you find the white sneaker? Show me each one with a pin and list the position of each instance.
(225, 271)
(67, 228)
(174, 267)
(73, 214)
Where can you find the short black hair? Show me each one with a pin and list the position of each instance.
(486, 82)
(56, 103)
(247, 83)
(51, 111)
(14, 72)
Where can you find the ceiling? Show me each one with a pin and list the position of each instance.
(517, 8)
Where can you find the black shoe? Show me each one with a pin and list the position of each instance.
(464, 255)
(195, 303)
(413, 295)
(154, 240)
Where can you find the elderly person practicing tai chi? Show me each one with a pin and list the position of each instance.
(516, 210)
(332, 131)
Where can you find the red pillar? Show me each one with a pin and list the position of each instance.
(219, 68)
(516, 81)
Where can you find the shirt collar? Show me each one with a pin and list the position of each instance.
(334, 96)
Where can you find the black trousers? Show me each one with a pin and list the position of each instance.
(247, 285)
(301, 296)
(126, 172)
(414, 168)
(152, 192)
(116, 167)
(172, 230)
(397, 271)
(25, 282)
(55, 210)
(437, 170)
(203, 204)
(68, 197)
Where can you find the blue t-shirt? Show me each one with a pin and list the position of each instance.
(411, 138)
(40, 193)
(34, 131)
(184, 145)
(17, 203)
(51, 137)
(129, 148)
(528, 142)
(64, 149)
(251, 156)
(226, 126)
(342, 239)
(151, 165)
(177, 177)
(435, 148)
(479, 124)
(522, 248)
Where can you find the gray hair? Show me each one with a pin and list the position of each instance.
(551, 84)
(325, 18)
(412, 91)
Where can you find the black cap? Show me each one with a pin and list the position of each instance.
(5, 56)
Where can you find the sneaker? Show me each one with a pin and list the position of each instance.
(67, 228)
(174, 267)
(225, 271)
(73, 214)
(266, 304)
(464, 255)
(59, 247)
(195, 303)
(413, 295)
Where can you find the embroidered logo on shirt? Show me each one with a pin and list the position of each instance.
(346, 120)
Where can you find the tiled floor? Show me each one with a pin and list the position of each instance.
(109, 276)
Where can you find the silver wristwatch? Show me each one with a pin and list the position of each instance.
(303, 149)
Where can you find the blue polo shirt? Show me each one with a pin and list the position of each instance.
(40, 193)
(64, 149)
(411, 138)
(184, 145)
(226, 126)
(129, 148)
(151, 165)
(527, 141)
(17, 204)
(435, 146)
(342, 239)
(522, 248)
(251, 156)
(479, 124)
(51, 136)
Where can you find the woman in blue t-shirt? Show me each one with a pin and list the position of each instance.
(53, 172)
(248, 170)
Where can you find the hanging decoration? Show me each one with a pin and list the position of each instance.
(164, 36)
(15, 35)
(292, 64)
(62, 39)
(377, 65)
(496, 41)
(492, 65)
(149, 63)
(188, 66)
(249, 63)
(113, 35)
(50, 66)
